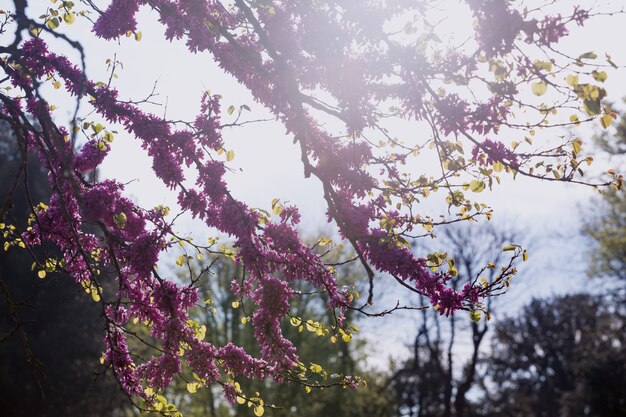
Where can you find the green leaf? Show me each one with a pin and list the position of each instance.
(592, 107)
(53, 23)
(588, 55)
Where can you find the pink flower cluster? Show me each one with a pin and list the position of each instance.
(490, 151)
(298, 48)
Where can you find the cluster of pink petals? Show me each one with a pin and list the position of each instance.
(316, 53)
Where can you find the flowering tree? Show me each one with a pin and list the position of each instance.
(357, 65)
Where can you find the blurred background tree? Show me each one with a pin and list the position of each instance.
(436, 380)
(606, 224)
(50, 332)
(563, 356)
(566, 355)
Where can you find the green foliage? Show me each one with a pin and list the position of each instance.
(608, 232)
(606, 225)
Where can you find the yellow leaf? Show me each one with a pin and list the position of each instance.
(192, 387)
(69, 18)
(599, 76)
(259, 410)
(475, 316)
(539, 88)
(311, 325)
(180, 260)
(577, 144)
(324, 241)
(295, 321)
(230, 155)
(120, 219)
(315, 368)
(606, 121)
(572, 80)
(95, 295)
(235, 304)
(53, 23)
(477, 186)
(41, 274)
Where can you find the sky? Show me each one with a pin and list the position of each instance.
(267, 163)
